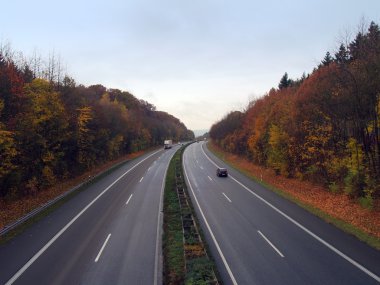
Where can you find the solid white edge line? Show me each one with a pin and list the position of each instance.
(337, 251)
(209, 229)
(158, 232)
(229, 200)
(101, 250)
(57, 235)
(209, 178)
(271, 244)
(129, 199)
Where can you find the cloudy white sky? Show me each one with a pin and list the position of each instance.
(195, 59)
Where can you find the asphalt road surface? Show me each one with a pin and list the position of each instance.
(108, 234)
(257, 237)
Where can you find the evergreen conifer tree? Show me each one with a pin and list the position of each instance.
(284, 82)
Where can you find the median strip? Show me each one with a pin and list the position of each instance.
(186, 260)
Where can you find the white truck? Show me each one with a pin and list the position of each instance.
(168, 144)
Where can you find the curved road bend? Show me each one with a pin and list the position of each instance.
(257, 237)
(108, 234)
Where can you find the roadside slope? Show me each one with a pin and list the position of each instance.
(14, 210)
(337, 209)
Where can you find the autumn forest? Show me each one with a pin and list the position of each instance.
(52, 128)
(322, 127)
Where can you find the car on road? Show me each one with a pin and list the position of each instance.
(221, 172)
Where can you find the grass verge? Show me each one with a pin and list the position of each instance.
(186, 256)
(347, 227)
(173, 249)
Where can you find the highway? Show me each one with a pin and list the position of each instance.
(257, 237)
(109, 233)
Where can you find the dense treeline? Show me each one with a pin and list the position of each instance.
(323, 127)
(53, 129)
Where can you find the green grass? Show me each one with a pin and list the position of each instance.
(177, 269)
(343, 225)
(199, 271)
(203, 267)
(173, 250)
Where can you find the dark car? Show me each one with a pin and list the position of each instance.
(221, 172)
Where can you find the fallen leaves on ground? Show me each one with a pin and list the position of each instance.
(11, 211)
(339, 205)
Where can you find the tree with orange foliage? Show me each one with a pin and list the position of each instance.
(323, 127)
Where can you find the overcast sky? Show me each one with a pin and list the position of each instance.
(195, 59)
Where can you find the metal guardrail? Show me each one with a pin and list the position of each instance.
(36, 211)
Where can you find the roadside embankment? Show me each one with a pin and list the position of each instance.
(335, 208)
(12, 211)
